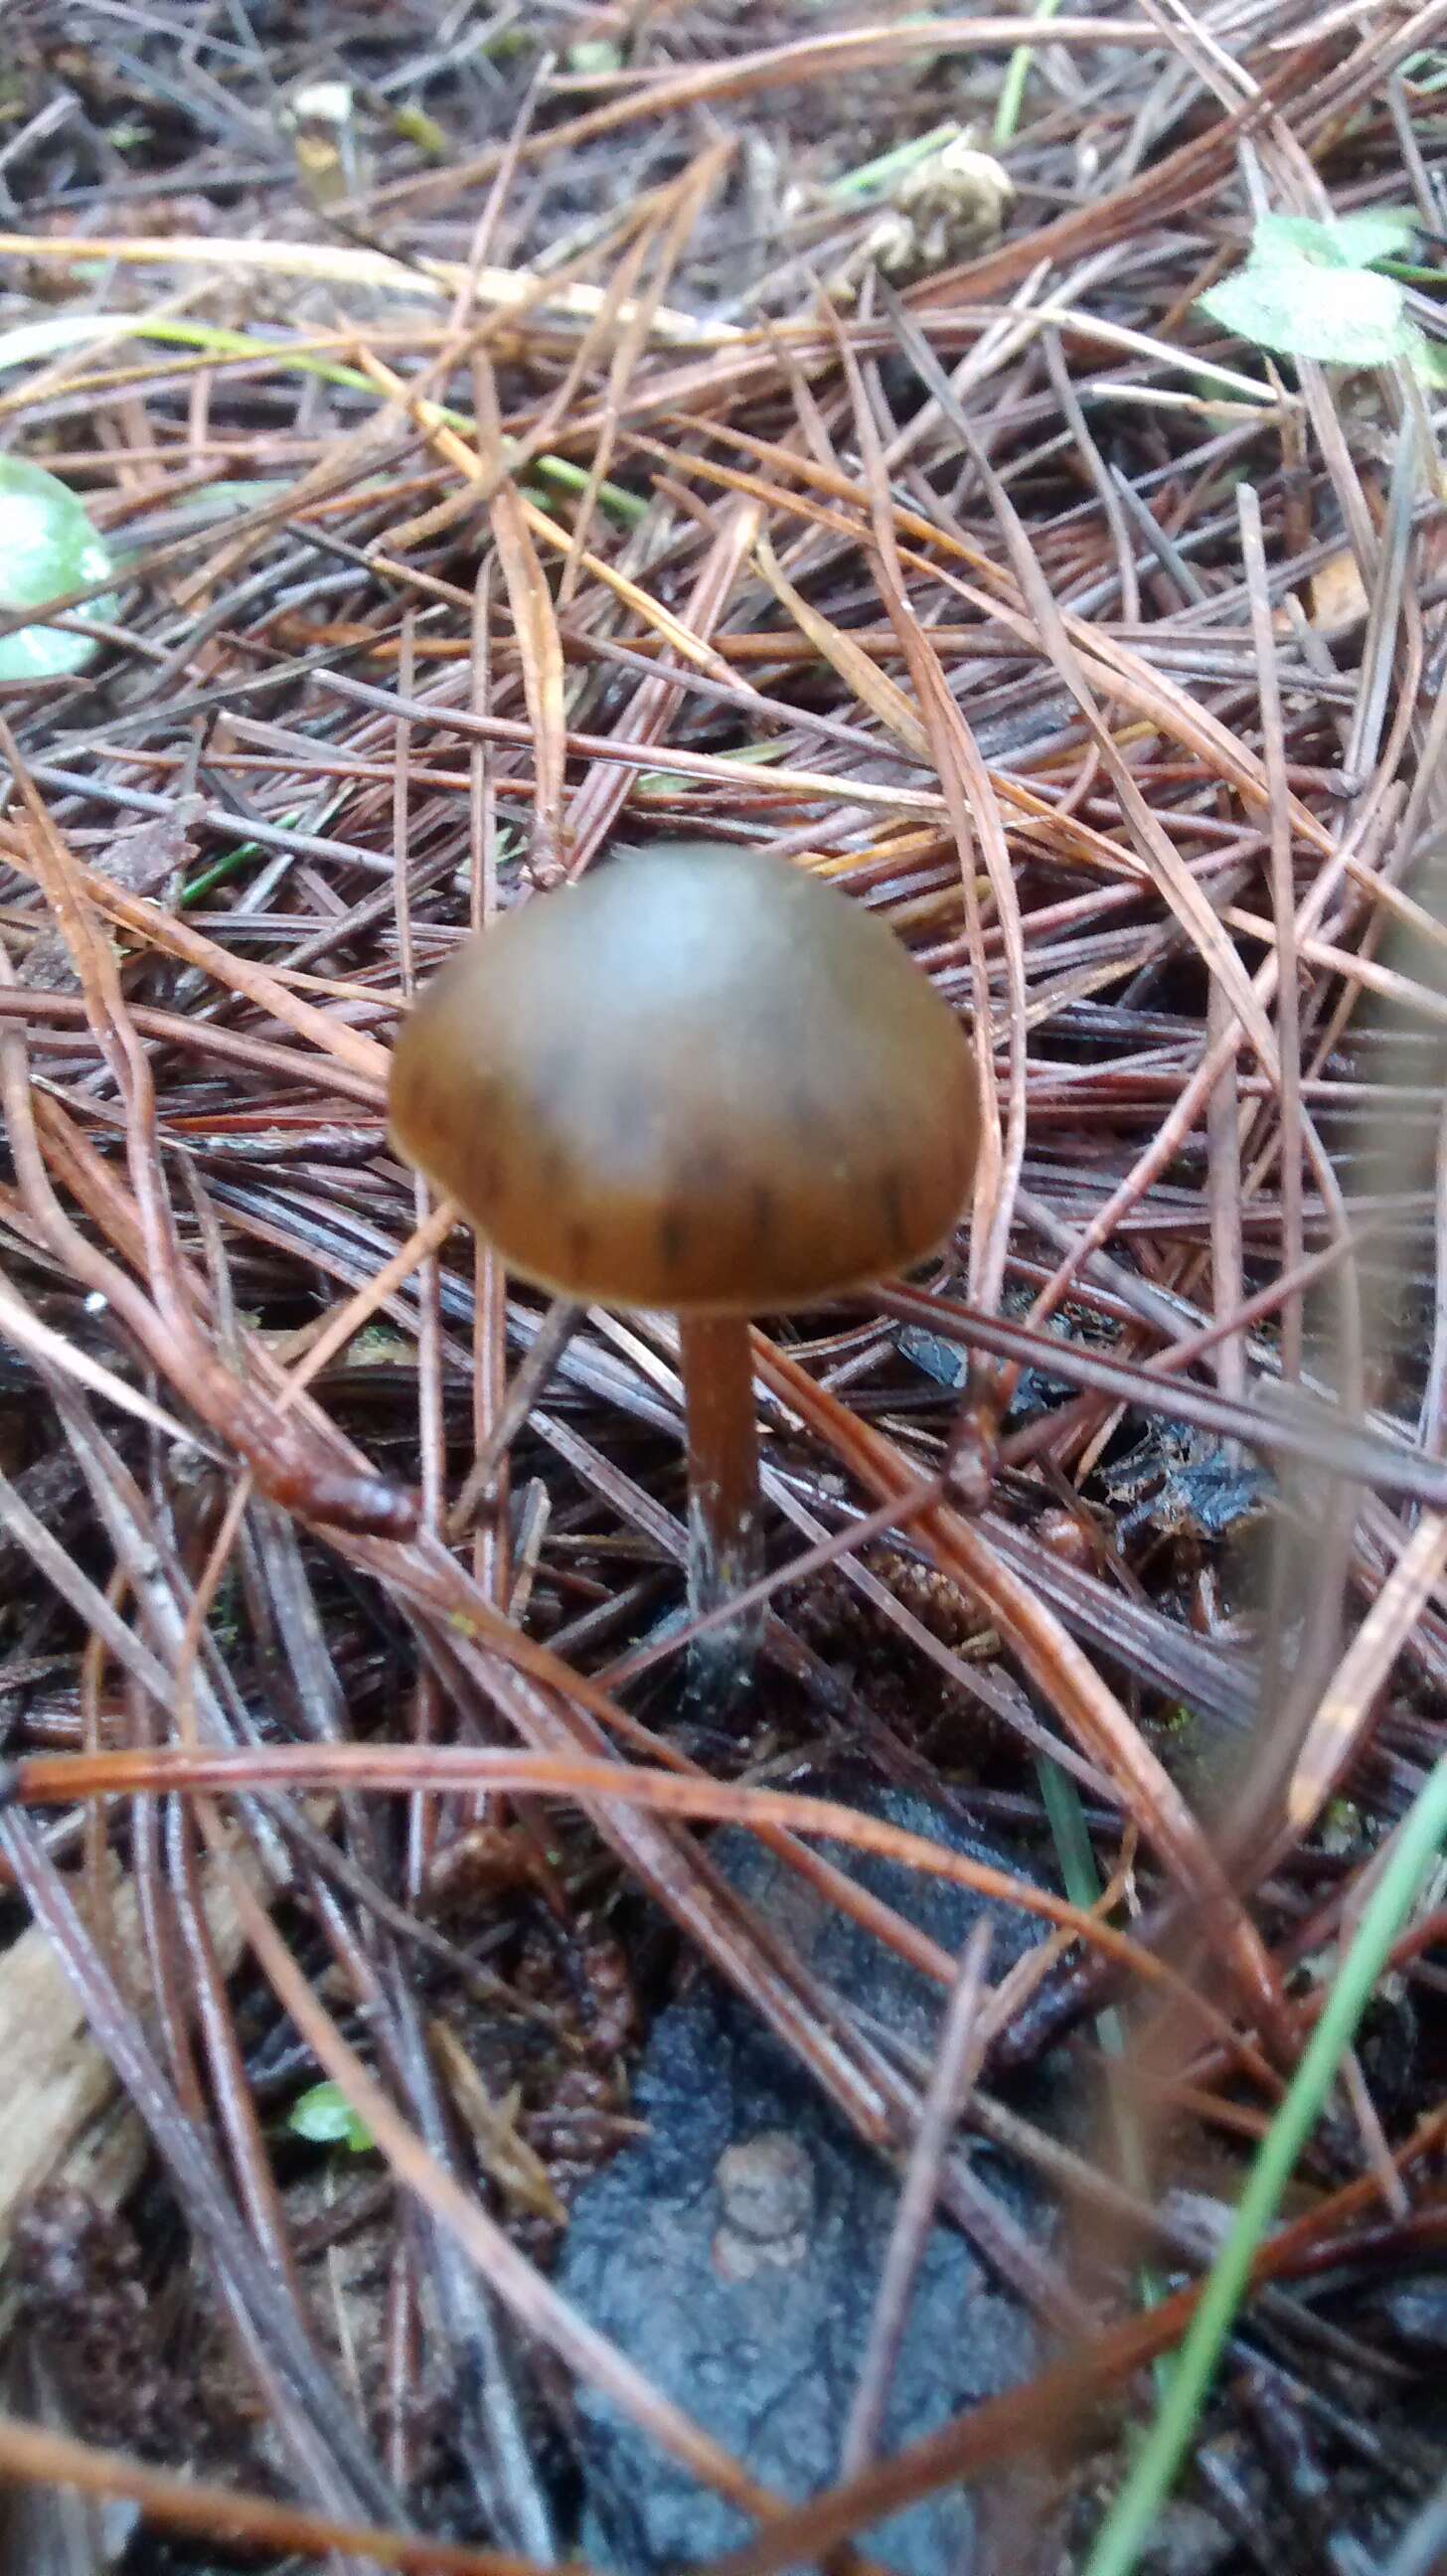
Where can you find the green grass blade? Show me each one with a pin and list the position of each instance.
(1081, 1878)
(44, 339)
(1132, 2516)
(1012, 90)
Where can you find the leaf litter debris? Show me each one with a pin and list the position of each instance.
(501, 438)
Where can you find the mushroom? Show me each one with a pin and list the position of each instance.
(700, 1081)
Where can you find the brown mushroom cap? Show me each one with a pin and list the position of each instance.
(700, 1079)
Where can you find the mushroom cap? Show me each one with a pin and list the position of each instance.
(700, 1079)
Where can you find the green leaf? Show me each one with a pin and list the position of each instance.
(47, 547)
(1277, 239)
(1347, 241)
(1377, 232)
(593, 54)
(1344, 317)
(326, 2118)
(1309, 289)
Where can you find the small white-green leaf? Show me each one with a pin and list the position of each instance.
(593, 54)
(47, 547)
(1347, 241)
(1344, 317)
(1376, 232)
(1288, 238)
(325, 2117)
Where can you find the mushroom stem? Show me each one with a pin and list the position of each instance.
(724, 1554)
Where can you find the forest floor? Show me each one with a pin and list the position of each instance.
(980, 2101)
